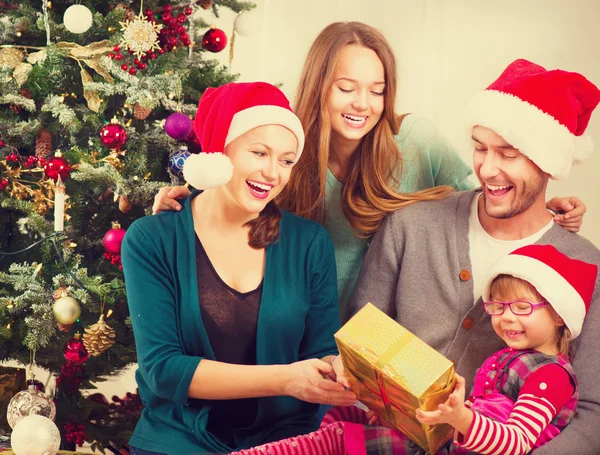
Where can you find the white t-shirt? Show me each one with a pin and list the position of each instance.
(485, 249)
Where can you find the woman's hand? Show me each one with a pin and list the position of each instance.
(568, 211)
(165, 199)
(308, 380)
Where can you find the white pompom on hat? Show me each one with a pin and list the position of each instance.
(226, 113)
(542, 113)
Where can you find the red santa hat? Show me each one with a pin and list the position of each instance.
(567, 284)
(224, 114)
(542, 113)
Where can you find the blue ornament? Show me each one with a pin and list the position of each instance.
(176, 161)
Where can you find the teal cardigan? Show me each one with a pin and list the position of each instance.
(297, 319)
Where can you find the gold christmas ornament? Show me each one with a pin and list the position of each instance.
(140, 112)
(66, 310)
(99, 337)
(140, 35)
(29, 402)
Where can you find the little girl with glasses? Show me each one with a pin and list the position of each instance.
(525, 394)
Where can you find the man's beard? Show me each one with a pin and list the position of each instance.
(521, 202)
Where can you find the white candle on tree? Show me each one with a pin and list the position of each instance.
(59, 206)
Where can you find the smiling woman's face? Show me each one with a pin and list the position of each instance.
(262, 162)
(356, 97)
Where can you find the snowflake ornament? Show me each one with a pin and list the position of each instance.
(140, 35)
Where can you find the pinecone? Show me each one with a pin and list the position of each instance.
(205, 4)
(23, 92)
(140, 112)
(43, 143)
(129, 14)
(59, 292)
(98, 337)
(124, 203)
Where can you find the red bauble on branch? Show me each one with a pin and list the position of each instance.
(214, 40)
(113, 136)
(113, 239)
(57, 166)
(75, 351)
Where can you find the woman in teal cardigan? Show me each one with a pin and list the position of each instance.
(233, 302)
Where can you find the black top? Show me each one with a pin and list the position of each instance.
(230, 318)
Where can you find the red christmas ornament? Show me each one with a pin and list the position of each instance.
(1, 143)
(214, 40)
(116, 48)
(188, 11)
(75, 352)
(118, 57)
(3, 184)
(167, 8)
(57, 166)
(124, 67)
(113, 239)
(111, 55)
(113, 136)
(132, 71)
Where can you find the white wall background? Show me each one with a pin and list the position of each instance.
(446, 50)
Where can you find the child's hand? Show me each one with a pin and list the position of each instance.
(453, 411)
(338, 373)
(373, 419)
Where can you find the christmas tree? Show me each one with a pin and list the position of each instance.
(95, 107)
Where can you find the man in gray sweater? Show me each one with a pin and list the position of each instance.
(427, 263)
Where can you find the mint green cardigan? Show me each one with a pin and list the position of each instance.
(428, 160)
(297, 319)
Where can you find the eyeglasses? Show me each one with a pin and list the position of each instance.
(518, 307)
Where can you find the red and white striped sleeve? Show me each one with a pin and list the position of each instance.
(544, 393)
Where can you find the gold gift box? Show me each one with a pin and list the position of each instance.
(394, 373)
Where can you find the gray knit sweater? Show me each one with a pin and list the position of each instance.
(412, 272)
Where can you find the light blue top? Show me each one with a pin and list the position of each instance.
(428, 160)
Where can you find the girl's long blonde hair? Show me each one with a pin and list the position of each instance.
(368, 190)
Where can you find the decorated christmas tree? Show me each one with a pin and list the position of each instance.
(95, 107)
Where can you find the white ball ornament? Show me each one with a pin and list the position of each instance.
(29, 402)
(35, 435)
(66, 310)
(77, 19)
(247, 23)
